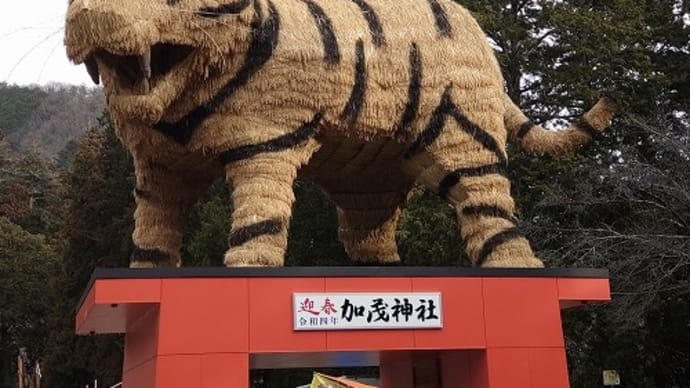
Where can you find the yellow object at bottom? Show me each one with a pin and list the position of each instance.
(324, 381)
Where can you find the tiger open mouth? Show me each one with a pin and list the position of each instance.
(138, 73)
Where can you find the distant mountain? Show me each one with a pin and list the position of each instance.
(48, 120)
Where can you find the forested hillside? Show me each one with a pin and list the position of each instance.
(47, 120)
(622, 203)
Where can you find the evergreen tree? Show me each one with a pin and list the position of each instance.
(207, 229)
(427, 234)
(313, 238)
(561, 54)
(17, 104)
(26, 261)
(97, 231)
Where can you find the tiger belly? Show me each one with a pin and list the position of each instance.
(363, 179)
(345, 163)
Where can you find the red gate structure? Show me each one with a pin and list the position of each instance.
(207, 327)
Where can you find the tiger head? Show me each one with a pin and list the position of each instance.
(149, 53)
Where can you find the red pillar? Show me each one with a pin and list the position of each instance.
(196, 336)
(525, 345)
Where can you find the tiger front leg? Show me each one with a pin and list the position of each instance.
(163, 198)
(262, 196)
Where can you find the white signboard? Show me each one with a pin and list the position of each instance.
(361, 311)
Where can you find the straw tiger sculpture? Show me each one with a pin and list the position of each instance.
(364, 97)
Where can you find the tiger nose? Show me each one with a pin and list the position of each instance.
(103, 8)
(87, 24)
(104, 24)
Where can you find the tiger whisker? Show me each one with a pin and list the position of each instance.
(211, 38)
(45, 63)
(31, 50)
(29, 28)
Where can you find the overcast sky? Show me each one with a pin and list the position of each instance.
(31, 49)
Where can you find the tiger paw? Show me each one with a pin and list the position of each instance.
(516, 262)
(258, 255)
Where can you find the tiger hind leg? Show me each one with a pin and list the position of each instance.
(485, 213)
(367, 223)
(487, 223)
(465, 163)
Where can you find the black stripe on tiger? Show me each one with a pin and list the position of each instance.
(356, 100)
(442, 23)
(264, 40)
(478, 134)
(584, 126)
(494, 242)
(452, 179)
(155, 256)
(249, 232)
(375, 28)
(224, 9)
(413, 92)
(323, 22)
(433, 129)
(488, 211)
(290, 140)
(524, 129)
